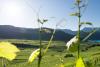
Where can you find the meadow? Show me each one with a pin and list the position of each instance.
(56, 55)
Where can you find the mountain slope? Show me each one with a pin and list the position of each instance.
(69, 31)
(11, 32)
(85, 31)
(95, 36)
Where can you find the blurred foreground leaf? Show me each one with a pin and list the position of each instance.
(8, 50)
(61, 65)
(85, 23)
(74, 14)
(80, 62)
(33, 55)
(72, 44)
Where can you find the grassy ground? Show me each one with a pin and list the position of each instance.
(52, 57)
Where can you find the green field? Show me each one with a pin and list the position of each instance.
(52, 57)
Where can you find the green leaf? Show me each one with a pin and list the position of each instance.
(8, 50)
(85, 23)
(80, 62)
(74, 14)
(33, 55)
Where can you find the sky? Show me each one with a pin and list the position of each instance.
(23, 13)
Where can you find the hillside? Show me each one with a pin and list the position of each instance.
(11, 32)
(96, 35)
(85, 31)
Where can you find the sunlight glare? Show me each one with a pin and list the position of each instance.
(12, 9)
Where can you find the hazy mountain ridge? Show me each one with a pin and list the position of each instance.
(69, 31)
(85, 31)
(96, 35)
(11, 32)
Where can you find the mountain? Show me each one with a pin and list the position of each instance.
(7, 31)
(85, 31)
(11, 32)
(96, 35)
(69, 31)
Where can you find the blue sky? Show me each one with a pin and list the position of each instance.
(22, 13)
